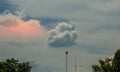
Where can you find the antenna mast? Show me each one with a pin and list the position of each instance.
(75, 65)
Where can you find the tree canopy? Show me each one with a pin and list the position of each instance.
(108, 64)
(12, 65)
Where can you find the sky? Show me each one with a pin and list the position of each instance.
(40, 31)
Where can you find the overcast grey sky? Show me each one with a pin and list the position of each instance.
(97, 31)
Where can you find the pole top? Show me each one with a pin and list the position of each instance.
(66, 52)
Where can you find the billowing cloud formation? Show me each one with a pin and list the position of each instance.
(12, 26)
(64, 34)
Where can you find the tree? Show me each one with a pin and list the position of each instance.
(116, 61)
(108, 64)
(12, 65)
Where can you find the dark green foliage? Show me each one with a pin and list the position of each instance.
(96, 68)
(103, 66)
(12, 65)
(116, 61)
(108, 64)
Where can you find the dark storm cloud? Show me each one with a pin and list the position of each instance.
(7, 5)
(48, 22)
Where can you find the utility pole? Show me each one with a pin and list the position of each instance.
(66, 59)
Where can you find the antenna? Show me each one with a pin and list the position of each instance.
(75, 65)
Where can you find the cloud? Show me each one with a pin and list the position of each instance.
(12, 26)
(64, 8)
(97, 20)
(7, 5)
(64, 34)
(47, 22)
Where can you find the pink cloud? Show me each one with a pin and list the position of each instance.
(13, 27)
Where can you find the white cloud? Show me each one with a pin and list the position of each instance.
(64, 34)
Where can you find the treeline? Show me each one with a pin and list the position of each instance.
(104, 65)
